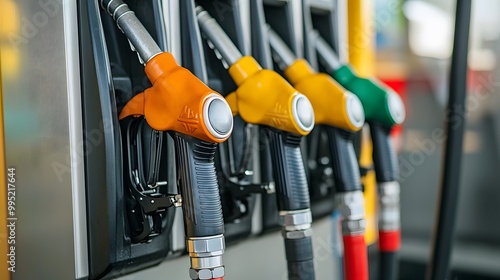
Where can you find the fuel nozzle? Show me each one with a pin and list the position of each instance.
(383, 109)
(341, 113)
(265, 98)
(333, 105)
(198, 119)
(380, 103)
(202, 113)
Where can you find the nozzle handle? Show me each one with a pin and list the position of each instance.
(217, 37)
(280, 49)
(198, 186)
(288, 169)
(384, 156)
(345, 164)
(136, 33)
(327, 55)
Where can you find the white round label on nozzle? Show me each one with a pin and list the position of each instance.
(355, 111)
(396, 107)
(303, 112)
(218, 117)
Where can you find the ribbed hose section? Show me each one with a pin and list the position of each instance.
(288, 169)
(198, 187)
(345, 164)
(384, 156)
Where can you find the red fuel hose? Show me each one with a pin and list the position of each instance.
(355, 257)
(389, 241)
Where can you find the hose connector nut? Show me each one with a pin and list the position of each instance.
(206, 257)
(389, 213)
(297, 234)
(351, 205)
(206, 274)
(296, 224)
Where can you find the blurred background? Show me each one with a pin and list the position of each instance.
(413, 55)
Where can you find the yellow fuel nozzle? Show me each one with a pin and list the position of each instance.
(333, 105)
(263, 96)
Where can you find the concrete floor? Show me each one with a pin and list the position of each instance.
(257, 258)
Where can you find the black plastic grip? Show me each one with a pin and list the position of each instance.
(345, 164)
(288, 170)
(389, 266)
(299, 255)
(197, 183)
(384, 155)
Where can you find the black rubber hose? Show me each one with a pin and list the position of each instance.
(455, 125)
(288, 169)
(201, 204)
(386, 170)
(344, 161)
(388, 265)
(384, 156)
(292, 194)
(299, 255)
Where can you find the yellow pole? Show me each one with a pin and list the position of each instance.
(4, 273)
(361, 38)
(7, 11)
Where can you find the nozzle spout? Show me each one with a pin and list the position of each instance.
(136, 33)
(280, 49)
(217, 37)
(327, 55)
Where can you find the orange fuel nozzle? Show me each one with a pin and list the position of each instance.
(179, 101)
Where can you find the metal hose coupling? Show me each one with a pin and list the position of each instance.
(389, 214)
(296, 224)
(206, 257)
(353, 212)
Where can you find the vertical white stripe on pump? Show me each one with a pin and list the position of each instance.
(70, 19)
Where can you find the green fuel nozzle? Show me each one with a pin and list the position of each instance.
(381, 104)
